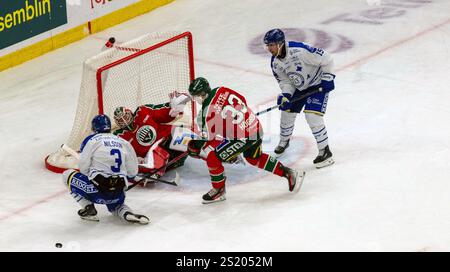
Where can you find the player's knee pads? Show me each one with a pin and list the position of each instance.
(315, 121)
(67, 176)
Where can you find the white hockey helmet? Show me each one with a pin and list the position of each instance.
(123, 117)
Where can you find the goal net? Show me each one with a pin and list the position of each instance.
(142, 71)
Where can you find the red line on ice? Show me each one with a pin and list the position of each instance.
(34, 204)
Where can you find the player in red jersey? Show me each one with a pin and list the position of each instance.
(149, 132)
(228, 128)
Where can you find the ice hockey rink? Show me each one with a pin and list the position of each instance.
(387, 119)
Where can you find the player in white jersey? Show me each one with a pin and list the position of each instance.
(301, 69)
(106, 162)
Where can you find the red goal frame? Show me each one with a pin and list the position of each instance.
(138, 52)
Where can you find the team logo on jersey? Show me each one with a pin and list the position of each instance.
(297, 79)
(146, 135)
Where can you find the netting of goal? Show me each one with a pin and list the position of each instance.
(141, 71)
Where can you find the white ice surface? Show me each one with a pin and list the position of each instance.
(387, 121)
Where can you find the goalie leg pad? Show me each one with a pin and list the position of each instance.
(180, 138)
(157, 157)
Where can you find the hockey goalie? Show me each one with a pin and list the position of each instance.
(159, 145)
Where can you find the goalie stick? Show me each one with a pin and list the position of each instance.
(294, 100)
(145, 176)
(72, 152)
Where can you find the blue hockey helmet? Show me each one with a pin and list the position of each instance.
(274, 36)
(101, 124)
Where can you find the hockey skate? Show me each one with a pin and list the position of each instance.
(214, 195)
(295, 179)
(136, 218)
(324, 158)
(282, 146)
(89, 213)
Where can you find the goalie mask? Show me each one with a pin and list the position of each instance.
(123, 118)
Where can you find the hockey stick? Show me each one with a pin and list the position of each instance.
(314, 91)
(173, 182)
(70, 151)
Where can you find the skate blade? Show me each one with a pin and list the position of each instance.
(143, 220)
(299, 182)
(93, 218)
(325, 163)
(222, 198)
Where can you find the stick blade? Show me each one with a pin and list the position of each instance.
(177, 178)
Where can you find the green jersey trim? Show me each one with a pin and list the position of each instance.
(205, 108)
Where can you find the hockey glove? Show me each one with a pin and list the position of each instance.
(112, 184)
(178, 101)
(195, 147)
(327, 83)
(283, 102)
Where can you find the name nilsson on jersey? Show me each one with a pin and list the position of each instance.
(112, 144)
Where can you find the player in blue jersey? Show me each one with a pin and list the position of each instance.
(106, 162)
(300, 69)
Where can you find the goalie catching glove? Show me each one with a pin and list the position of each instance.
(178, 101)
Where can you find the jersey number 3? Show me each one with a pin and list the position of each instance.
(238, 115)
(116, 153)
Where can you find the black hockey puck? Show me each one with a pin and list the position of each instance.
(58, 245)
